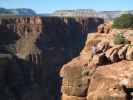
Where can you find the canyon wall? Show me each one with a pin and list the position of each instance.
(38, 47)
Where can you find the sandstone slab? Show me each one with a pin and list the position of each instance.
(107, 82)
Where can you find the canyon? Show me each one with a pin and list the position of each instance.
(52, 58)
(33, 50)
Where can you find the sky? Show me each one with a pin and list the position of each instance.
(48, 6)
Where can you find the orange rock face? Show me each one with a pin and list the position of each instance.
(109, 81)
(65, 97)
(104, 28)
(76, 77)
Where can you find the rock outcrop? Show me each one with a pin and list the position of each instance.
(108, 72)
(104, 28)
(108, 82)
(76, 78)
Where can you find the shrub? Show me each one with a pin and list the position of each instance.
(120, 39)
(124, 21)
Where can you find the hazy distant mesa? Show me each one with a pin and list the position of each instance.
(108, 15)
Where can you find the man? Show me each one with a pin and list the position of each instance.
(94, 48)
(93, 52)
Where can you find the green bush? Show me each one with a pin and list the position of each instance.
(124, 21)
(120, 39)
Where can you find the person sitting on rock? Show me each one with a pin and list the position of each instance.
(93, 52)
(94, 48)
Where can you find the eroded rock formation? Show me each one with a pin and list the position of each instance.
(108, 72)
(105, 28)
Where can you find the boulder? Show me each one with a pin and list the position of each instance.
(75, 87)
(100, 28)
(76, 77)
(104, 28)
(108, 81)
(122, 52)
(114, 56)
(109, 52)
(107, 28)
(112, 53)
(129, 54)
(99, 59)
(94, 39)
(103, 46)
(105, 89)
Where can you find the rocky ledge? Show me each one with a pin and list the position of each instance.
(105, 75)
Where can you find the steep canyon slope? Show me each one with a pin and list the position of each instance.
(32, 51)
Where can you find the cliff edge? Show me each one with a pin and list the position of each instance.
(103, 75)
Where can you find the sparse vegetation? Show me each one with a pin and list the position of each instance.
(124, 21)
(120, 39)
